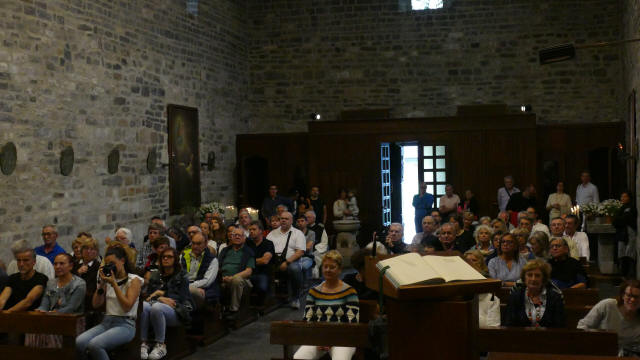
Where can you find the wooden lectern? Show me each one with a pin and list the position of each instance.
(431, 321)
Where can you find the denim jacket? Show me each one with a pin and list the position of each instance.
(177, 288)
(69, 299)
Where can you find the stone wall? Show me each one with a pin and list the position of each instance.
(98, 74)
(329, 56)
(631, 70)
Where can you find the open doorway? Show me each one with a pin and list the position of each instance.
(410, 186)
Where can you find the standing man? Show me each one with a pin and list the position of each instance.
(505, 192)
(270, 203)
(448, 202)
(50, 248)
(236, 266)
(318, 205)
(586, 192)
(290, 245)
(422, 202)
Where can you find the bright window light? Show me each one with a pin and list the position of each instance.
(426, 4)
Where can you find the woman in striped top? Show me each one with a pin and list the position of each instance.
(331, 301)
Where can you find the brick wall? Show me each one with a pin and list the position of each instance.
(328, 56)
(97, 74)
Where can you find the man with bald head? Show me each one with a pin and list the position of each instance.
(202, 268)
(290, 245)
(237, 263)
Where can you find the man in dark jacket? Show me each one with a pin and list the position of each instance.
(236, 265)
(202, 269)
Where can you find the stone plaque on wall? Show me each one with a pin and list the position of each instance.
(8, 158)
(66, 161)
(113, 161)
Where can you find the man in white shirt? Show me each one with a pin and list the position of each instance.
(448, 203)
(244, 220)
(557, 230)
(580, 238)
(586, 192)
(322, 241)
(43, 266)
(289, 258)
(505, 192)
(537, 223)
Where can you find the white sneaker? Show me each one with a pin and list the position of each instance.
(159, 351)
(144, 351)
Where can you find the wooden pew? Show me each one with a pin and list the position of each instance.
(32, 322)
(520, 356)
(293, 333)
(547, 341)
(212, 325)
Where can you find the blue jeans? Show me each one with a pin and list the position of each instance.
(260, 282)
(112, 332)
(307, 264)
(160, 315)
(294, 280)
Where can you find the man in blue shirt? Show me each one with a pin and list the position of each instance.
(50, 249)
(423, 202)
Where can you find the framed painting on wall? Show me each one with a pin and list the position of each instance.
(184, 158)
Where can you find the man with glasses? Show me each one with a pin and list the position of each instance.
(202, 269)
(236, 266)
(558, 226)
(566, 272)
(50, 249)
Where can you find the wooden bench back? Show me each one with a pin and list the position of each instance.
(32, 322)
(548, 341)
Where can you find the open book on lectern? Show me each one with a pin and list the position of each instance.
(413, 269)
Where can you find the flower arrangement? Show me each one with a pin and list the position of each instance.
(212, 207)
(608, 207)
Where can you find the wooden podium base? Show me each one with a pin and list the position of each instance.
(431, 329)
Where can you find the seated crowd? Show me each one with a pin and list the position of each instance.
(177, 273)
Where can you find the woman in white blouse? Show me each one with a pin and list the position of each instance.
(559, 203)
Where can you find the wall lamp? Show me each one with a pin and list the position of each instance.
(564, 52)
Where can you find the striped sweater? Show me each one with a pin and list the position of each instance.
(341, 306)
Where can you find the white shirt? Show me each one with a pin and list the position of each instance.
(43, 266)
(279, 239)
(582, 242)
(541, 227)
(113, 305)
(504, 196)
(586, 194)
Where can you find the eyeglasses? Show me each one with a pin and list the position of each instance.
(192, 232)
(167, 257)
(556, 246)
(47, 233)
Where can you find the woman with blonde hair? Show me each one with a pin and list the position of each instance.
(337, 296)
(482, 235)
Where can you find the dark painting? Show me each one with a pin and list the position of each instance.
(184, 158)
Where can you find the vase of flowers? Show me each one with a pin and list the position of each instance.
(212, 207)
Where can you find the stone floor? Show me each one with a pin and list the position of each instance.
(249, 342)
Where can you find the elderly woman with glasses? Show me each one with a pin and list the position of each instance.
(621, 315)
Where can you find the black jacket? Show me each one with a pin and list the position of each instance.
(553, 317)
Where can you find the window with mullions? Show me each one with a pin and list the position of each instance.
(434, 170)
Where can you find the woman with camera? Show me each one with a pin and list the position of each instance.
(119, 288)
(169, 303)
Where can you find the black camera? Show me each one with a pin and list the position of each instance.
(381, 236)
(107, 269)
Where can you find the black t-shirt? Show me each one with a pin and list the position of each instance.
(318, 208)
(20, 289)
(265, 247)
(465, 241)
